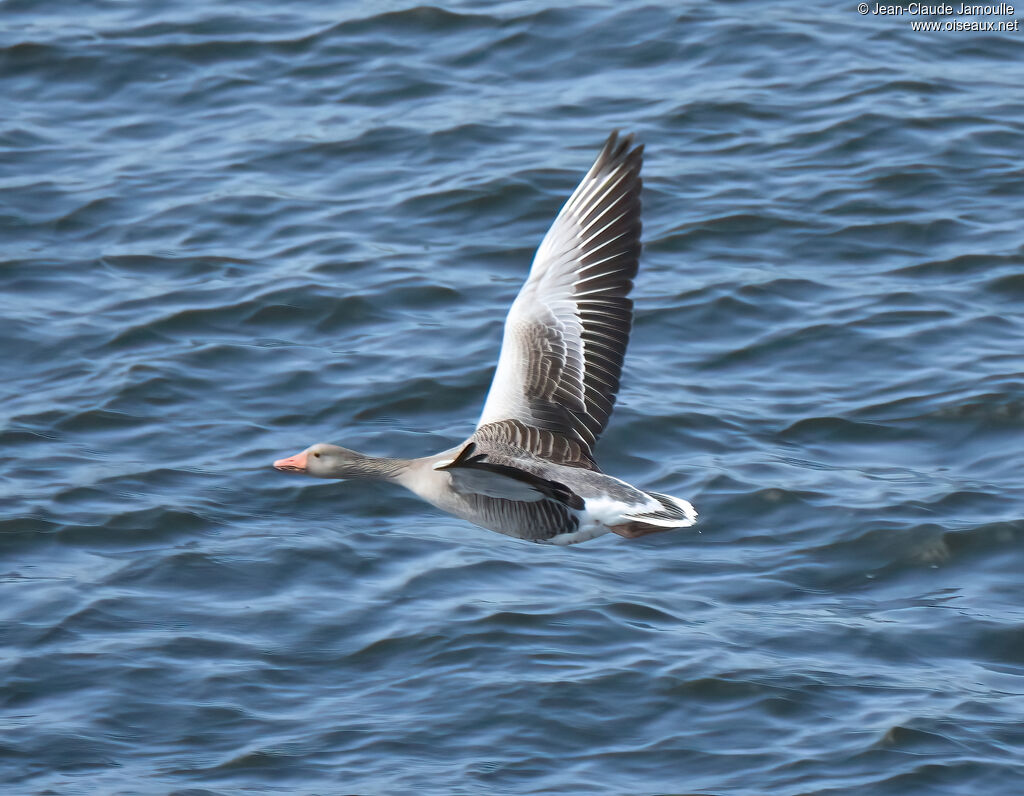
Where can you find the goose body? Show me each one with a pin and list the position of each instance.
(528, 470)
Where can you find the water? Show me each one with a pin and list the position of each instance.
(229, 230)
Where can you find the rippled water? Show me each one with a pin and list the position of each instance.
(228, 230)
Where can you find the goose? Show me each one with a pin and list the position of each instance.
(528, 470)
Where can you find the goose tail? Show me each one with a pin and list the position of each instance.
(673, 513)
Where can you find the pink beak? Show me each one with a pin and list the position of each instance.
(293, 464)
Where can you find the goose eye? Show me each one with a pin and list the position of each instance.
(316, 455)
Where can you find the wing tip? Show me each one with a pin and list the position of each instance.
(618, 149)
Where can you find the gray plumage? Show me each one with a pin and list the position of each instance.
(528, 470)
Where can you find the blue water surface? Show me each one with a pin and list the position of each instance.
(229, 230)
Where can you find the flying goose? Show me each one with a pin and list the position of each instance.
(528, 470)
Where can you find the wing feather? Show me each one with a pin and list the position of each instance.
(567, 331)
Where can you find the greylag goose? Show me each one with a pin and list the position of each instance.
(528, 470)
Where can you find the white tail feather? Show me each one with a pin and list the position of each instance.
(674, 513)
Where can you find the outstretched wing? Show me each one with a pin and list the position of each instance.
(567, 331)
